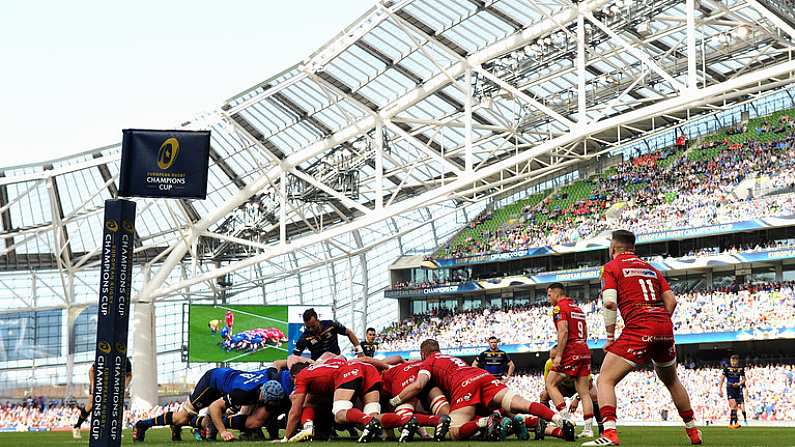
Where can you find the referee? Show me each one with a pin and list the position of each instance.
(495, 360)
(320, 336)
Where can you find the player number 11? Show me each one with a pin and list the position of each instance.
(648, 289)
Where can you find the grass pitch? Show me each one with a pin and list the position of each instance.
(630, 436)
(203, 346)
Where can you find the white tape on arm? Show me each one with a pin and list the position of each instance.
(610, 296)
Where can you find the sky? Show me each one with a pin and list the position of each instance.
(73, 74)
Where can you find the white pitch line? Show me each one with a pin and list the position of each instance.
(254, 352)
(239, 356)
(250, 314)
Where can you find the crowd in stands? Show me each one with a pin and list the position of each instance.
(670, 189)
(460, 275)
(39, 415)
(771, 397)
(743, 248)
(771, 394)
(734, 308)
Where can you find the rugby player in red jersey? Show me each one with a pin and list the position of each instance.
(312, 381)
(396, 379)
(468, 387)
(230, 320)
(572, 358)
(345, 380)
(646, 302)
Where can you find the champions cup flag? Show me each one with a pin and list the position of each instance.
(164, 163)
(113, 317)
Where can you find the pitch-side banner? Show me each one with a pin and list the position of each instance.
(112, 323)
(164, 163)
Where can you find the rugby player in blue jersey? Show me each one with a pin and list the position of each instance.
(218, 390)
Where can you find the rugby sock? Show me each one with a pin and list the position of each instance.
(733, 417)
(588, 421)
(745, 417)
(237, 422)
(557, 432)
(307, 415)
(541, 410)
(393, 420)
(84, 415)
(196, 421)
(530, 421)
(164, 419)
(468, 429)
(355, 416)
(562, 410)
(608, 417)
(427, 421)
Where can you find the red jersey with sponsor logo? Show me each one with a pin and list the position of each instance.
(640, 287)
(448, 372)
(399, 376)
(318, 378)
(577, 340)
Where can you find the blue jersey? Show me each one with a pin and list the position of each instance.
(495, 362)
(325, 340)
(733, 377)
(224, 332)
(286, 380)
(283, 377)
(237, 338)
(226, 380)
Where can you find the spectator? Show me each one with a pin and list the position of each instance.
(646, 196)
(732, 308)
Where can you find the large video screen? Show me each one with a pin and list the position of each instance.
(237, 333)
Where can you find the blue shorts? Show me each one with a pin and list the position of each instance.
(203, 394)
(736, 394)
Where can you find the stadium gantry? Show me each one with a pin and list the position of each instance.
(382, 143)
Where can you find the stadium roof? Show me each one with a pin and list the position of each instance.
(424, 106)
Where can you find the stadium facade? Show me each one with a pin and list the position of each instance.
(382, 144)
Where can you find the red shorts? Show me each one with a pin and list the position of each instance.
(575, 365)
(478, 389)
(350, 372)
(655, 342)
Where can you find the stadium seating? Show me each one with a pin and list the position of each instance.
(672, 188)
(730, 309)
(39, 415)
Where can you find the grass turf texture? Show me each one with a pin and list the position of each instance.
(630, 436)
(203, 346)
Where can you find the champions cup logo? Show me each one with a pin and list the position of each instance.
(167, 154)
(121, 347)
(104, 347)
(128, 226)
(112, 225)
